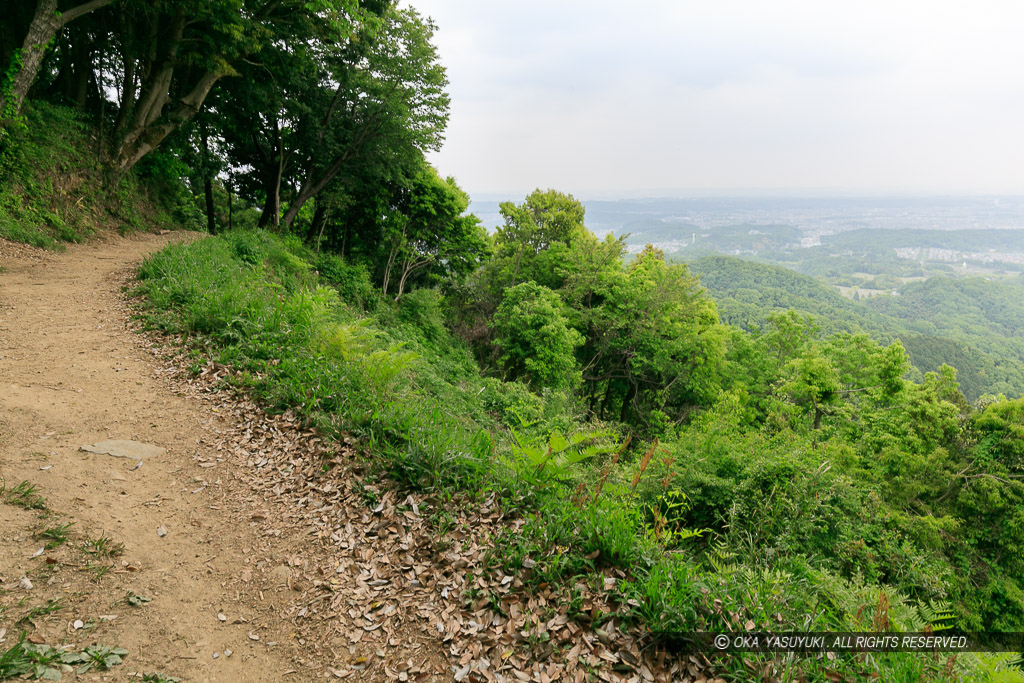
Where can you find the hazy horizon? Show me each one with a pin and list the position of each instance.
(668, 97)
(669, 194)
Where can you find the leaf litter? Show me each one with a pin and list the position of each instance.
(377, 593)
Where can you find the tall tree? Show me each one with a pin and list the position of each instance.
(544, 219)
(429, 234)
(170, 55)
(535, 338)
(389, 104)
(25, 63)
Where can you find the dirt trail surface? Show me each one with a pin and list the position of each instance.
(71, 375)
(166, 559)
(236, 546)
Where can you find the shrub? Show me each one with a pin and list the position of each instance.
(351, 280)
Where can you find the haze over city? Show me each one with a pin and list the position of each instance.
(666, 98)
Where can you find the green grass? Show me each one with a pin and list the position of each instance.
(55, 535)
(51, 607)
(392, 375)
(102, 546)
(24, 495)
(54, 189)
(98, 570)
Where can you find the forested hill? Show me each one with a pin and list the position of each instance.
(746, 292)
(974, 325)
(973, 305)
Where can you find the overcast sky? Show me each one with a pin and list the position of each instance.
(606, 99)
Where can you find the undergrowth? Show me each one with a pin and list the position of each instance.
(54, 188)
(392, 375)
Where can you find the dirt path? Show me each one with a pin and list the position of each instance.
(70, 374)
(249, 549)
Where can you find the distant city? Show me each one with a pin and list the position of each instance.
(769, 226)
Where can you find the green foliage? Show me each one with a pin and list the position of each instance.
(53, 189)
(1000, 429)
(800, 481)
(352, 281)
(137, 600)
(157, 677)
(512, 403)
(55, 535)
(44, 662)
(969, 323)
(544, 219)
(252, 295)
(24, 495)
(535, 338)
(554, 461)
(102, 546)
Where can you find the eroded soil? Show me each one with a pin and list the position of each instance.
(72, 374)
(250, 549)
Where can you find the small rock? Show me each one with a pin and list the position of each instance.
(25, 583)
(253, 636)
(228, 653)
(280, 575)
(123, 448)
(221, 617)
(216, 655)
(78, 624)
(161, 531)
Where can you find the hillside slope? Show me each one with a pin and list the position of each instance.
(970, 324)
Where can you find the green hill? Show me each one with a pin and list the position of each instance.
(746, 292)
(974, 325)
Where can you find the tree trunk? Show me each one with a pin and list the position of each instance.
(630, 394)
(296, 205)
(136, 75)
(818, 414)
(387, 270)
(271, 215)
(319, 220)
(607, 398)
(41, 31)
(271, 209)
(312, 186)
(150, 137)
(156, 87)
(409, 265)
(78, 72)
(211, 217)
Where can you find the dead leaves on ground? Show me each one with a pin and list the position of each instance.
(379, 595)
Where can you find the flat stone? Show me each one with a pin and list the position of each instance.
(280, 575)
(123, 448)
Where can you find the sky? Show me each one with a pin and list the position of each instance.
(678, 97)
